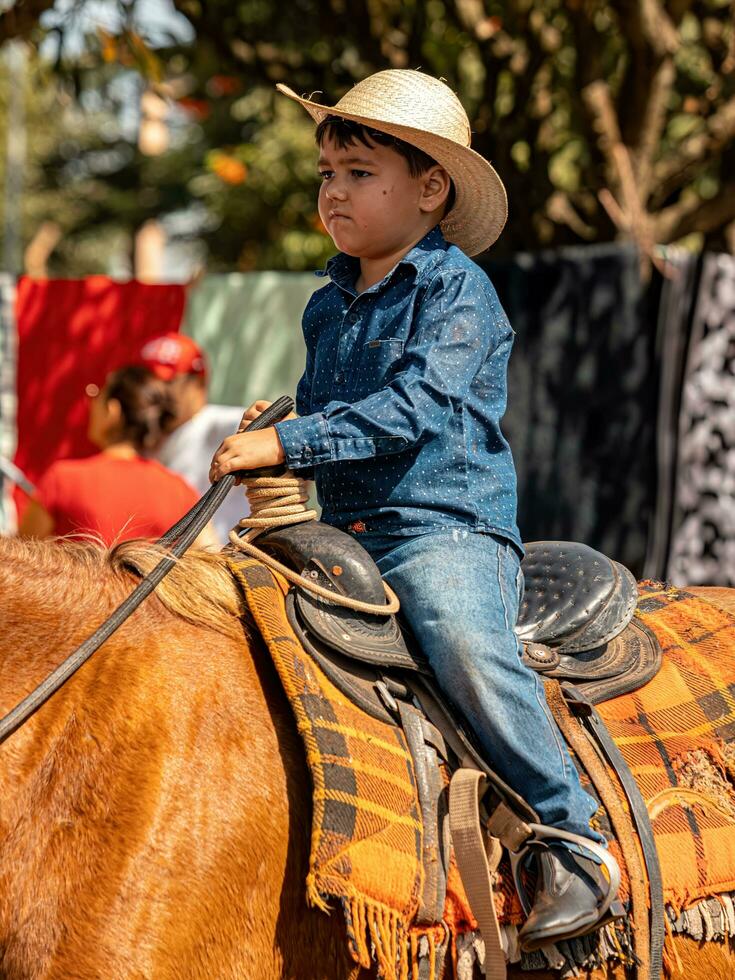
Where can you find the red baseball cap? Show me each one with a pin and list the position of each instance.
(172, 354)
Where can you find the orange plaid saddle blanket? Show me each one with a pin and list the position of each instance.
(675, 733)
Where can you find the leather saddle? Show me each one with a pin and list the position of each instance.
(575, 621)
(368, 659)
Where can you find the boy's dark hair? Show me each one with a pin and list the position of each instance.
(344, 132)
(146, 403)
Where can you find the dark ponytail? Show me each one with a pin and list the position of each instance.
(147, 406)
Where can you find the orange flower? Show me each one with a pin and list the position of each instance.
(108, 44)
(228, 168)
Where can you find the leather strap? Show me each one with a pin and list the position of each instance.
(608, 790)
(597, 731)
(430, 788)
(505, 825)
(476, 867)
(446, 721)
(177, 540)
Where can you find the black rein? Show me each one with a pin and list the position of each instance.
(178, 539)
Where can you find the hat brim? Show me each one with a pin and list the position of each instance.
(480, 206)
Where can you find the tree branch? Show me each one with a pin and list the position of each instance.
(589, 69)
(728, 65)
(652, 40)
(598, 102)
(560, 209)
(694, 215)
(652, 127)
(658, 28)
(627, 211)
(416, 35)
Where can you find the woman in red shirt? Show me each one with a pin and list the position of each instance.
(117, 494)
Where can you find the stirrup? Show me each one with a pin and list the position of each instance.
(542, 833)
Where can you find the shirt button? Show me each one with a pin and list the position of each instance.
(339, 378)
(307, 452)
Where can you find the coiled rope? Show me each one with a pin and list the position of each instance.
(278, 501)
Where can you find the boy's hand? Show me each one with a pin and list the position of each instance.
(247, 451)
(254, 411)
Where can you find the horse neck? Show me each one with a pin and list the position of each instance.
(50, 598)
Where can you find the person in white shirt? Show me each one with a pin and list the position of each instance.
(199, 427)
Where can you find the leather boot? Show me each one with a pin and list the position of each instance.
(569, 893)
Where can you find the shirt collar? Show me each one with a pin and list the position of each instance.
(422, 255)
(343, 269)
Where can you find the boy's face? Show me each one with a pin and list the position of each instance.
(369, 202)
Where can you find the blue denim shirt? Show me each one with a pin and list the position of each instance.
(402, 396)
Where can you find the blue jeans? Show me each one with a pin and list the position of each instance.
(460, 593)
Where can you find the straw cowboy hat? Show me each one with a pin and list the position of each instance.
(426, 113)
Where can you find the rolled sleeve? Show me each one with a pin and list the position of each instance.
(305, 441)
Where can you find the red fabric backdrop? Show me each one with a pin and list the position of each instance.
(71, 333)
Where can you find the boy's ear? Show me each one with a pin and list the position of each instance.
(435, 186)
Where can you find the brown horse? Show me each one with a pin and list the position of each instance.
(154, 815)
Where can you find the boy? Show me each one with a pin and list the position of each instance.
(400, 405)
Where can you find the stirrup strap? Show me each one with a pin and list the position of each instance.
(476, 866)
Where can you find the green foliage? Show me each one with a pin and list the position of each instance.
(551, 87)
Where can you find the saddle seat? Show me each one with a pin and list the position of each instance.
(575, 598)
(576, 621)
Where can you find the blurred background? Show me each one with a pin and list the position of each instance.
(153, 180)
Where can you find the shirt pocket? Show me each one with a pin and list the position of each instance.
(375, 365)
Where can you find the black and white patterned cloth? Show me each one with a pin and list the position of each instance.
(702, 550)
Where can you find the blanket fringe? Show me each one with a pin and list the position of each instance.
(376, 938)
(711, 920)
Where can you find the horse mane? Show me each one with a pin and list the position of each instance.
(82, 574)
